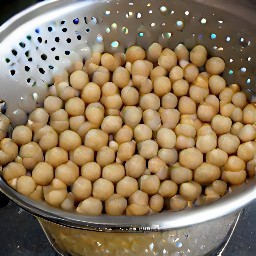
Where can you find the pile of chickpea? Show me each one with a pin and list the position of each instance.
(134, 133)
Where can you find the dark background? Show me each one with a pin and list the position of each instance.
(20, 233)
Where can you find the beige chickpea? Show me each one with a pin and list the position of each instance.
(91, 93)
(226, 109)
(237, 115)
(52, 104)
(249, 114)
(121, 77)
(220, 187)
(186, 130)
(176, 73)
(186, 106)
(109, 89)
(226, 95)
(37, 194)
(134, 53)
(217, 157)
(154, 52)
(125, 134)
(181, 52)
(113, 145)
(125, 151)
(79, 79)
(167, 59)
(156, 203)
(236, 178)
(111, 124)
(37, 119)
(206, 173)
(180, 87)
(190, 190)
(168, 189)
(101, 76)
(90, 68)
(95, 113)
(228, 143)
(162, 85)
(111, 62)
(156, 164)
(184, 142)
(85, 128)
(81, 189)
(251, 167)
(131, 116)
(198, 55)
(67, 173)
(55, 197)
(138, 81)
(75, 106)
(112, 112)
(149, 184)
(4, 126)
(56, 157)
(234, 164)
(216, 84)
(142, 68)
(213, 101)
(139, 197)
(197, 93)
(90, 206)
(246, 151)
(180, 174)
(239, 99)
(81, 155)
(21, 135)
(127, 186)
(59, 121)
(75, 122)
(169, 101)
(170, 118)
(148, 149)
(146, 87)
(178, 203)
(247, 133)
(105, 156)
(166, 138)
(130, 96)
(43, 174)
(112, 102)
(25, 185)
(202, 80)
(69, 203)
(150, 101)
(190, 73)
(236, 128)
(115, 205)
(215, 66)
(206, 112)
(13, 171)
(96, 139)
(221, 124)
(102, 189)
(157, 72)
(135, 166)
(113, 172)
(191, 158)
(91, 171)
(142, 132)
(169, 156)
(137, 210)
(69, 140)
(206, 143)
(66, 92)
(191, 120)
(152, 119)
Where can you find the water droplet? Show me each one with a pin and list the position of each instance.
(228, 38)
(178, 244)
(243, 69)
(107, 13)
(187, 13)
(248, 81)
(203, 21)
(115, 44)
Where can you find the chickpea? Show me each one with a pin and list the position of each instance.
(69, 140)
(183, 142)
(246, 151)
(142, 132)
(37, 119)
(249, 114)
(176, 74)
(156, 164)
(55, 197)
(112, 102)
(138, 81)
(180, 174)
(121, 77)
(202, 80)
(169, 101)
(234, 164)
(220, 187)
(105, 156)
(75, 122)
(239, 99)
(43, 174)
(91, 93)
(191, 158)
(206, 173)
(217, 84)
(198, 55)
(228, 143)
(170, 118)
(178, 203)
(217, 157)
(113, 172)
(81, 189)
(237, 115)
(102, 189)
(236, 128)
(221, 124)
(186, 130)
(4, 126)
(182, 52)
(113, 145)
(236, 178)
(139, 197)
(180, 87)
(65, 92)
(137, 210)
(130, 96)
(226, 109)
(68, 203)
(59, 121)
(166, 138)
(125, 134)
(197, 93)
(247, 133)
(191, 120)
(206, 143)
(109, 89)
(135, 166)
(167, 59)
(25, 185)
(79, 79)
(156, 203)
(150, 101)
(85, 128)
(21, 135)
(226, 95)
(168, 189)
(157, 72)
(96, 139)
(126, 186)
(142, 68)
(148, 149)
(190, 73)
(115, 205)
(56, 157)
(206, 112)
(67, 173)
(101, 76)
(251, 167)
(75, 106)
(190, 190)
(131, 116)
(186, 106)
(52, 104)
(215, 66)
(126, 151)
(13, 171)
(134, 53)
(90, 206)
(154, 51)
(37, 194)
(81, 155)
(111, 124)
(146, 87)
(152, 119)
(95, 113)
(91, 171)
(162, 85)
(170, 156)
(149, 184)
(111, 62)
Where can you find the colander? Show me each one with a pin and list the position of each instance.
(47, 38)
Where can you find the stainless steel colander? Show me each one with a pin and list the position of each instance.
(47, 38)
